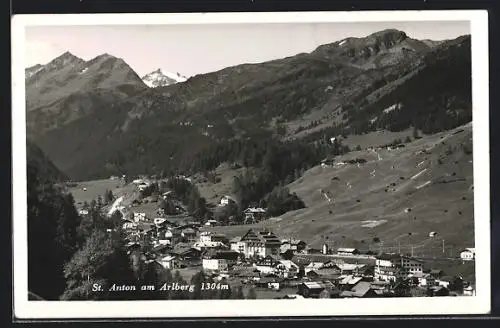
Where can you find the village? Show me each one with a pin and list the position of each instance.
(273, 266)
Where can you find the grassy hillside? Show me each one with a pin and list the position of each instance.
(426, 186)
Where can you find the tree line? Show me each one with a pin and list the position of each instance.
(69, 255)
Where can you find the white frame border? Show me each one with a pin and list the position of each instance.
(479, 304)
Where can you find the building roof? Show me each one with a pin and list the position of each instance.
(254, 210)
(349, 266)
(261, 237)
(167, 258)
(235, 239)
(361, 288)
(288, 264)
(388, 257)
(350, 280)
(346, 250)
(318, 284)
(330, 272)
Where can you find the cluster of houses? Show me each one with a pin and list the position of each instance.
(261, 258)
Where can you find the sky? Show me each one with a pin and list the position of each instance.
(197, 49)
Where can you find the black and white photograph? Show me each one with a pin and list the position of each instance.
(251, 164)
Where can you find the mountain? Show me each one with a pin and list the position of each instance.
(160, 78)
(385, 81)
(45, 167)
(69, 88)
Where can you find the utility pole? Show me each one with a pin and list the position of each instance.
(443, 246)
(399, 247)
(411, 250)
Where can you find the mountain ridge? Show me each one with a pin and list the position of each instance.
(160, 78)
(338, 87)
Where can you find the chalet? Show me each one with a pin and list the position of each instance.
(230, 257)
(189, 234)
(226, 200)
(210, 237)
(214, 264)
(422, 279)
(186, 253)
(295, 245)
(257, 244)
(267, 265)
(254, 214)
(362, 289)
(312, 289)
(287, 269)
(468, 254)
(168, 262)
(347, 251)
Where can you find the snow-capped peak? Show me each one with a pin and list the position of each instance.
(161, 78)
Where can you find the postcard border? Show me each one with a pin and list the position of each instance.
(479, 304)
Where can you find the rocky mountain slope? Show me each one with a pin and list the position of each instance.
(160, 78)
(383, 81)
(68, 88)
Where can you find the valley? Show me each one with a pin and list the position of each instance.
(310, 169)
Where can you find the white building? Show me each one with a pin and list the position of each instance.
(168, 262)
(468, 254)
(388, 267)
(287, 269)
(267, 265)
(215, 264)
(83, 212)
(257, 244)
(313, 266)
(159, 221)
(347, 251)
(469, 291)
(225, 200)
(211, 223)
(138, 217)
